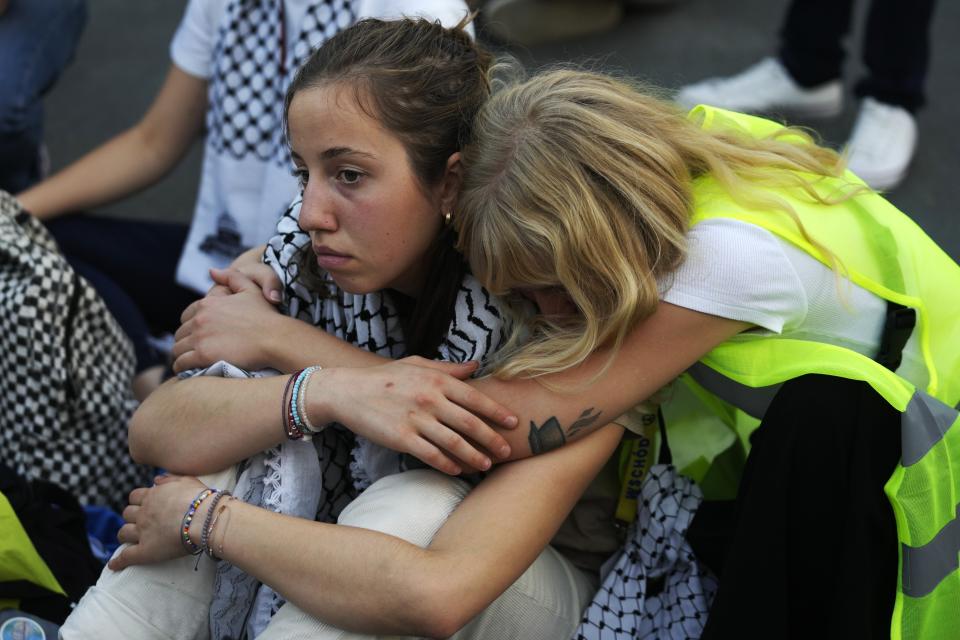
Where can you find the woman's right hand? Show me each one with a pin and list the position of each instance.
(247, 272)
(416, 406)
(232, 321)
(240, 327)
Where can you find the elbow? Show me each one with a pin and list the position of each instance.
(441, 610)
(149, 446)
(137, 444)
(444, 626)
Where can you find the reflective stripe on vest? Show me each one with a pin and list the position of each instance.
(925, 498)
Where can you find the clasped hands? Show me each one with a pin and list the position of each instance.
(414, 405)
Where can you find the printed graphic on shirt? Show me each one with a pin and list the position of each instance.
(254, 67)
(226, 241)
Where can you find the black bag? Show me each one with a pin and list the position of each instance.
(55, 523)
(65, 371)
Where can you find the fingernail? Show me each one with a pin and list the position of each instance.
(510, 421)
(505, 451)
(485, 464)
(275, 296)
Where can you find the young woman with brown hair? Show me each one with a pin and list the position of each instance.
(376, 120)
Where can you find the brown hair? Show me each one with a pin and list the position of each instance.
(424, 83)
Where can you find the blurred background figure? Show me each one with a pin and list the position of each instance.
(37, 40)
(669, 47)
(532, 22)
(804, 79)
(231, 62)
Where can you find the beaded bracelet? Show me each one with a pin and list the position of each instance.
(207, 526)
(289, 427)
(299, 402)
(191, 548)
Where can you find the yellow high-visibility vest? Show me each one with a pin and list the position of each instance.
(19, 559)
(886, 253)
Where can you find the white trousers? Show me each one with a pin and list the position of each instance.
(170, 601)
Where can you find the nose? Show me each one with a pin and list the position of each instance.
(318, 210)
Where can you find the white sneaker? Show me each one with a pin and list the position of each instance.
(882, 144)
(765, 87)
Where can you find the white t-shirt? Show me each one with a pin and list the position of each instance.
(246, 181)
(743, 272)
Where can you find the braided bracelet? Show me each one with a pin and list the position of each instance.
(191, 548)
(286, 419)
(219, 554)
(207, 523)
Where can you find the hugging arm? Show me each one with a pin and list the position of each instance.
(238, 321)
(203, 424)
(370, 582)
(425, 409)
(658, 350)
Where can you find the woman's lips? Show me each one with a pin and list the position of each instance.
(330, 259)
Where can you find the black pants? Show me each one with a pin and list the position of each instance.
(896, 46)
(132, 264)
(813, 551)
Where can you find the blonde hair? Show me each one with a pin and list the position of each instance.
(584, 181)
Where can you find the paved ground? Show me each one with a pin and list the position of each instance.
(124, 54)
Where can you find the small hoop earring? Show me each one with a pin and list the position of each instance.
(447, 217)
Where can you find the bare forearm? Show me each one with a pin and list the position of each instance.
(131, 161)
(121, 167)
(354, 578)
(577, 401)
(204, 424)
(369, 582)
(299, 344)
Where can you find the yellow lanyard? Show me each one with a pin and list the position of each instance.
(636, 458)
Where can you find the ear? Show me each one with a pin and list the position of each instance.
(450, 184)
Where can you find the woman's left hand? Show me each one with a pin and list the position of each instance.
(153, 519)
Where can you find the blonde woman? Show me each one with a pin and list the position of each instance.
(656, 242)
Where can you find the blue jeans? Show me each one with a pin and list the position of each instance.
(37, 40)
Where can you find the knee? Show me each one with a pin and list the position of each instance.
(411, 505)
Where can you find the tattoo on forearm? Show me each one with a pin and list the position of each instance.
(550, 436)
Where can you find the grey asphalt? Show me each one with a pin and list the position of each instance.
(124, 54)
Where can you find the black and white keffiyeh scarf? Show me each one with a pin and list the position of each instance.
(656, 552)
(317, 479)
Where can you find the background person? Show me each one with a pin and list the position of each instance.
(804, 79)
(231, 63)
(38, 39)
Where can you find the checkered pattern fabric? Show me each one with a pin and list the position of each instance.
(656, 588)
(253, 70)
(65, 371)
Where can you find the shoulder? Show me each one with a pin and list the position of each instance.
(739, 271)
(194, 42)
